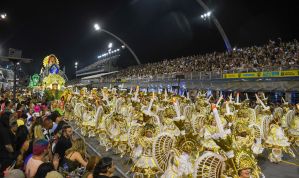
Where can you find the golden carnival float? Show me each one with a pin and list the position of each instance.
(52, 82)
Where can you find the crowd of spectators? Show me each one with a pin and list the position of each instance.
(273, 54)
(37, 142)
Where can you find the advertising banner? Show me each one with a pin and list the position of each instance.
(250, 75)
(289, 73)
(234, 75)
(271, 74)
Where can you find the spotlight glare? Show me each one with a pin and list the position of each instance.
(110, 45)
(97, 27)
(3, 16)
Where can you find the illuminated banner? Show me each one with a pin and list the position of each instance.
(271, 74)
(234, 75)
(284, 73)
(289, 73)
(250, 75)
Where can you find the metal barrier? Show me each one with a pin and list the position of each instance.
(95, 151)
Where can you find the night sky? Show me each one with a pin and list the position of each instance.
(155, 29)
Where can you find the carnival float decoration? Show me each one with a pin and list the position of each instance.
(34, 81)
(52, 77)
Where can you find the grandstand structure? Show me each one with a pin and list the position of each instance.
(273, 67)
(99, 68)
(6, 78)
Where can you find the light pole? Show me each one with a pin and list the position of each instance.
(98, 28)
(216, 22)
(76, 67)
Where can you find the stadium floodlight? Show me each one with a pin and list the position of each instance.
(206, 15)
(97, 27)
(3, 16)
(110, 45)
(76, 65)
(217, 24)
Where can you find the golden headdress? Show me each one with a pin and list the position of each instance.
(244, 161)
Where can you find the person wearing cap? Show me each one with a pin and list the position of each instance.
(54, 174)
(14, 173)
(245, 165)
(22, 119)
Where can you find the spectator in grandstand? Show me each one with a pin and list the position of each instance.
(273, 54)
(104, 169)
(75, 156)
